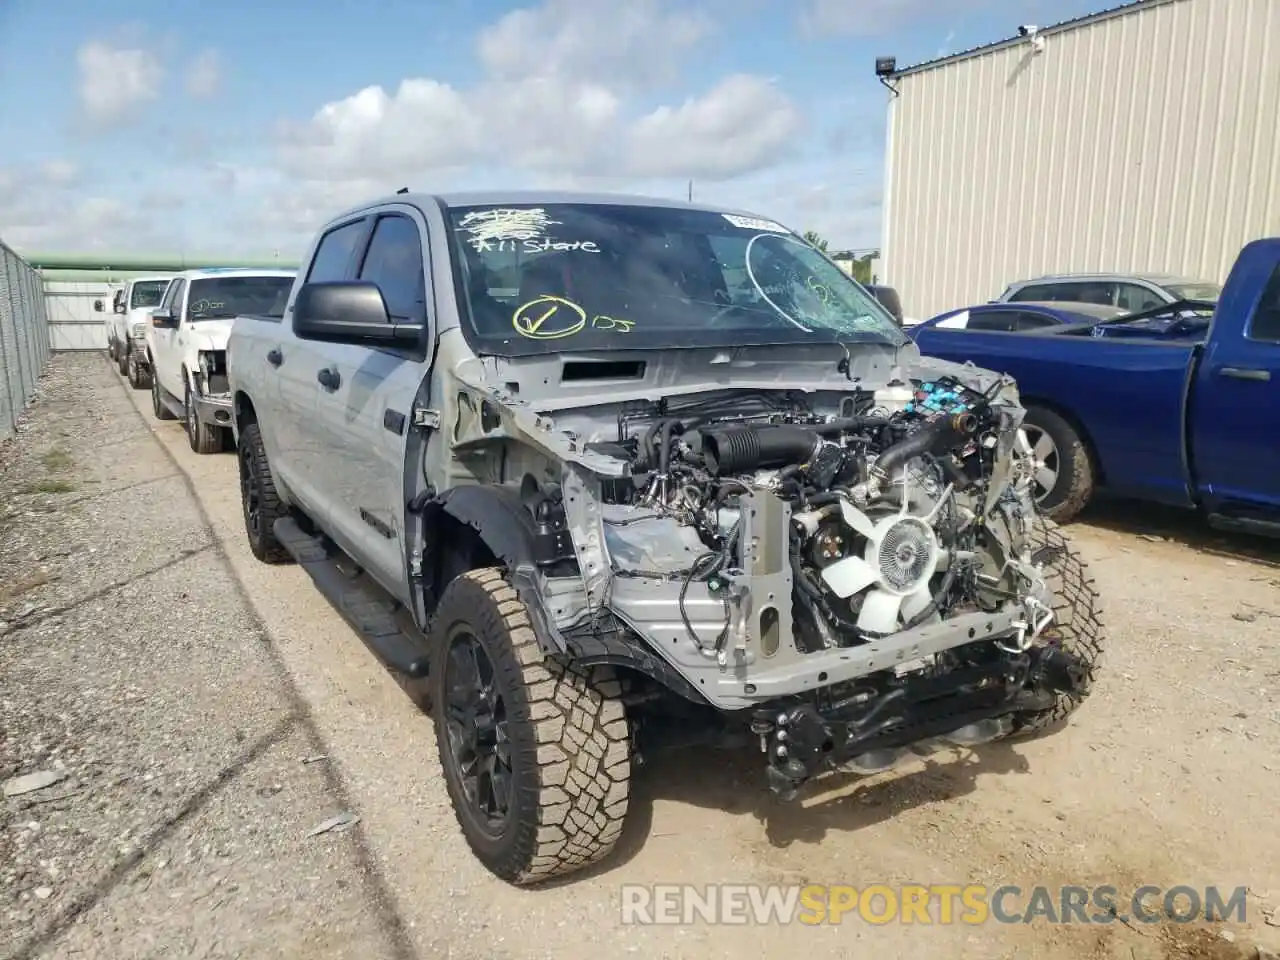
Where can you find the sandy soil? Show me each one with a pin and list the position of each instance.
(178, 687)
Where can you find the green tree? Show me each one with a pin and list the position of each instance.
(813, 238)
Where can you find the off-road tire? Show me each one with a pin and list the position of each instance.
(570, 740)
(139, 376)
(1079, 622)
(256, 471)
(203, 437)
(158, 407)
(1075, 483)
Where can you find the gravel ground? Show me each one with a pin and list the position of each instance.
(202, 679)
(132, 668)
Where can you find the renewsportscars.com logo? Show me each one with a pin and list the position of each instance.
(816, 904)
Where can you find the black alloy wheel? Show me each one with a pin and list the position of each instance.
(479, 748)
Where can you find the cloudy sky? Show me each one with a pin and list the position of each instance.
(236, 128)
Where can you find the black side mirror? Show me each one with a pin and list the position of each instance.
(164, 319)
(97, 306)
(349, 311)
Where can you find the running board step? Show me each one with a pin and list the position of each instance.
(175, 405)
(362, 604)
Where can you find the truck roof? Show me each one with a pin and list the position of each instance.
(1149, 277)
(234, 272)
(479, 198)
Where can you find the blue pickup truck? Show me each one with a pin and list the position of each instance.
(1177, 405)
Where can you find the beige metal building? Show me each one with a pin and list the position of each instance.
(1141, 138)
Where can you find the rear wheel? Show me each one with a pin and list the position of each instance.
(122, 359)
(139, 376)
(203, 437)
(259, 500)
(536, 754)
(1064, 471)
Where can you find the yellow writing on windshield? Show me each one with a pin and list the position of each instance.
(550, 318)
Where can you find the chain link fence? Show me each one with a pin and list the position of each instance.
(24, 337)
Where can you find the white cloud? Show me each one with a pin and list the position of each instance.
(633, 44)
(742, 124)
(204, 75)
(564, 93)
(116, 79)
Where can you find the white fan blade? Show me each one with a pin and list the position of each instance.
(879, 613)
(913, 603)
(858, 520)
(846, 577)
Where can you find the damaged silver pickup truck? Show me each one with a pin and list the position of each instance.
(598, 474)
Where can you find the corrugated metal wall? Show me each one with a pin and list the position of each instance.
(1147, 140)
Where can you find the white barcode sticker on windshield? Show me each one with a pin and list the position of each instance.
(752, 223)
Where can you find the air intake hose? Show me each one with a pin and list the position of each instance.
(936, 437)
(741, 449)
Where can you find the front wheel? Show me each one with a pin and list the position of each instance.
(203, 437)
(536, 754)
(1078, 625)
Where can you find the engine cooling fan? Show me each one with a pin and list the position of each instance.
(901, 556)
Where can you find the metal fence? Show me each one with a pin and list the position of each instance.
(24, 337)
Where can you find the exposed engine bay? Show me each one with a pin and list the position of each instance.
(824, 564)
(885, 507)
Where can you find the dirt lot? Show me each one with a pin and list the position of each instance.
(205, 713)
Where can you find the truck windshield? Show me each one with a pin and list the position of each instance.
(147, 293)
(214, 298)
(540, 279)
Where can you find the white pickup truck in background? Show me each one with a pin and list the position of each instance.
(186, 345)
(131, 305)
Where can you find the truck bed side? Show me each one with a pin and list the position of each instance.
(1128, 397)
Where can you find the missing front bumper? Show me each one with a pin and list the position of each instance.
(215, 410)
(971, 705)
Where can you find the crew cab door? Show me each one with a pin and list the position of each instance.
(163, 340)
(294, 433)
(367, 406)
(1236, 404)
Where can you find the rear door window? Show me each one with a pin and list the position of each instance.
(1027, 320)
(1133, 298)
(1039, 291)
(992, 321)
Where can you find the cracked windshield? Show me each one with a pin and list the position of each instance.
(619, 276)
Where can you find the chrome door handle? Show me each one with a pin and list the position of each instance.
(1239, 373)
